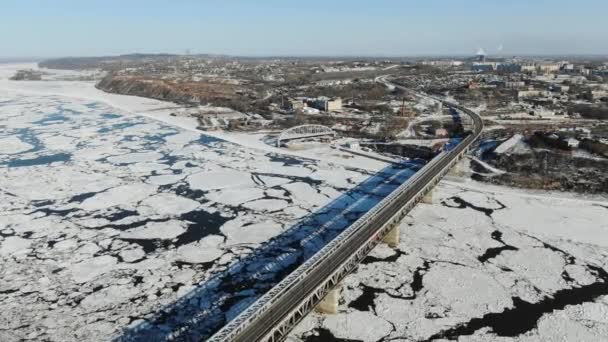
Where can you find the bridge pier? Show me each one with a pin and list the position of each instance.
(457, 169)
(392, 237)
(428, 198)
(329, 304)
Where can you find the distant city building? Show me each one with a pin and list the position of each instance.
(327, 83)
(568, 67)
(548, 68)
(515, 84)
(509, 67)
(326, 104)
(528, 67)
(347, 68)
(523, 94)
(443, 63)
(598, 94)
(560, 88)
(601, 73)
(583, 70)
(293, 105)
(484, 67)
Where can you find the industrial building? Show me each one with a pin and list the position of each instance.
(326, 104)
(293, 105)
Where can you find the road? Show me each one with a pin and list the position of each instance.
(277, 312)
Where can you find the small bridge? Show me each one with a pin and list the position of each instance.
(304, 131)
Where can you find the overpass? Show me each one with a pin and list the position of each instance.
(274, 314)
(304, 131)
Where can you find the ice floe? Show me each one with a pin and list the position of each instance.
(480, 264)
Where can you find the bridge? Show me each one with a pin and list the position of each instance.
(274, 314)
(304, 131)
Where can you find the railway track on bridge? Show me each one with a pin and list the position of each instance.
(273, 315)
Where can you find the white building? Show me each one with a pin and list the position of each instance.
(327, 104)
(548, 68)
(573, 143)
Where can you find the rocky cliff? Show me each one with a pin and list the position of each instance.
(219, 93)
(156, 89)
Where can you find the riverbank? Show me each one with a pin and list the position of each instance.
(161, 111)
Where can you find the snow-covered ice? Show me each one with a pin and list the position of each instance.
(483, 263)
(13, 145)
(116, 225)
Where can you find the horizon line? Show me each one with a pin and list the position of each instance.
(319, 56)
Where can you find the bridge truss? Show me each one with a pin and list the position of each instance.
(304, 131)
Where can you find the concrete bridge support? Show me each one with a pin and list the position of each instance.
(428, 198)
(329, 304)
(458, 169)
(392, 237)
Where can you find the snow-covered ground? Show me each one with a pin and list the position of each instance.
(483, 263)
(120, 221)
(513, 145)
(491, 169)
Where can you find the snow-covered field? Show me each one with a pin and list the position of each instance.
(483, 263)
(117, 225)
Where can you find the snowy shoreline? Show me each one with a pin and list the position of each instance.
(160, 111)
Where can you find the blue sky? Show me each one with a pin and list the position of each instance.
(43, 28)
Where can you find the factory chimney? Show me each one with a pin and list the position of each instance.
(481, 55)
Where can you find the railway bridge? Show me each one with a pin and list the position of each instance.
(274, 314)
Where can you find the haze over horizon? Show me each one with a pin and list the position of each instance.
(316, 28)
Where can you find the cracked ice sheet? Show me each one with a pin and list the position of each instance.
(13, 145)
(555, 272)
(106, 218)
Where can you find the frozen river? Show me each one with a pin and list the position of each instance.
(121, 226)
(121, 222)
